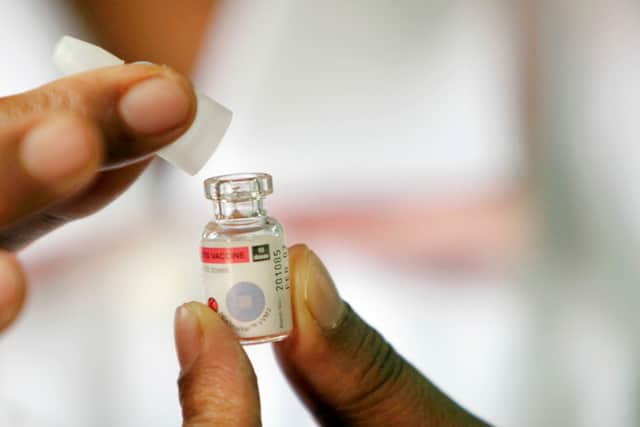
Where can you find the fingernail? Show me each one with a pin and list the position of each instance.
(188, 337)
(155, 105)
(56, 149)
(320, 294)
(9, 290)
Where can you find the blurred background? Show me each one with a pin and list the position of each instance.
(467, 170)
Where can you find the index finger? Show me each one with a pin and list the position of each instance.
(138, 108)
(44, 160)
(54, 139)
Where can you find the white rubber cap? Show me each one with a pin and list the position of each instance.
(195, 147)
(71, 56)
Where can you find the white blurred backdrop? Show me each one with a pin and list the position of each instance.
(358, 109)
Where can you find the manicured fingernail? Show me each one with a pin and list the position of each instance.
(188, 337)
(155, 105)
(320, 294)
(10, 281)
(57, 149)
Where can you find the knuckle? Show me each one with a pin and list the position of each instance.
(202, 382)
(53, 98)
(18, 235)
(382, 369)
(210, 395)
(71, 94)
(379, 373)
(200, 398)
(50, 220)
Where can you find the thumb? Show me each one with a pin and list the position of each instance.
(217, 384)
(344, 370)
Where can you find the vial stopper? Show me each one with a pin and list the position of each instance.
(191, 151)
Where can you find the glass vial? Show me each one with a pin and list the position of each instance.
(245, 260)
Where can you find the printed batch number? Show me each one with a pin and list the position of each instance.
(281, 269)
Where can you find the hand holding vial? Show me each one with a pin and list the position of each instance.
(342, 368)
(70, 147)
(344, 371)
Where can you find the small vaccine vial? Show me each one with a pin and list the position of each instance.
(245, 260)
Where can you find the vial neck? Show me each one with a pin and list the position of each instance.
(239, 211)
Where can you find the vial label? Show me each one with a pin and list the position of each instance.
(247, 283)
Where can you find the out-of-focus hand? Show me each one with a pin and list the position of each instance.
(70, 147)
(342, 369)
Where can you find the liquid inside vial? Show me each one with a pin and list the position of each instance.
(245, 260)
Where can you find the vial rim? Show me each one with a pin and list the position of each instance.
(214, 186)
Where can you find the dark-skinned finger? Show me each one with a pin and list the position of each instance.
(217, 384)
(106, 186)
(139, 108)
(45, 160)
(344, 370)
